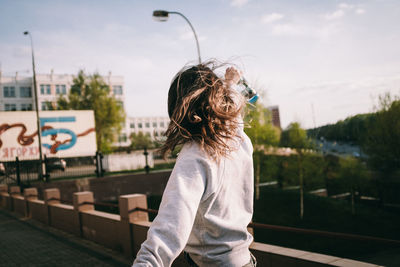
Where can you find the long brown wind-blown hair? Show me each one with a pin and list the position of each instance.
(202, 109)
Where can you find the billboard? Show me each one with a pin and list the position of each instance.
(69, 133)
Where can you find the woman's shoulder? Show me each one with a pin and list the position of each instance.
(192, 154)
(192, 150)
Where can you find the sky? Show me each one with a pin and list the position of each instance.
(320, 61)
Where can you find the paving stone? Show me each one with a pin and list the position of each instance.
(24, 243)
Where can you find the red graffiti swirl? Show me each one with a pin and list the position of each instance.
(26, 140)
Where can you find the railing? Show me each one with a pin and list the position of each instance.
(256, 225)
(304, 231)
(24, 172)
(266, 226)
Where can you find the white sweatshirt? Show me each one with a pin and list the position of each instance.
(205, 210)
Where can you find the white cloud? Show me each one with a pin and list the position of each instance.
(239, 3)
(334, 15)
(287, 29)
(360, 11)
(269, 18)
(342, 9)
(345, 6)
(188, 35)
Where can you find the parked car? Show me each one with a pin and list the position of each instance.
(56, 164)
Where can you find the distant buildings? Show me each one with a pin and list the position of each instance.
(16, 94)
(276, 119)
(151, 126)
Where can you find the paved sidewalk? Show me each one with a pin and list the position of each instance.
(25, 242)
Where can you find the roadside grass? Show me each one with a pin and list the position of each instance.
(157, 167)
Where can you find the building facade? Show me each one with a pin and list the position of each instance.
(16, 92)
(155, 127)
(275, 117)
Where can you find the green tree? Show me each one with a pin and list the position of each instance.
(262, 134)
(141, 141)
(382, 144)
(352, 174)
(296, 137)
(91, 92)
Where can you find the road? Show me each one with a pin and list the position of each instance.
(28, 175)
(338, 148)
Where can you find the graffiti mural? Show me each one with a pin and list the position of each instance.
(64, 134)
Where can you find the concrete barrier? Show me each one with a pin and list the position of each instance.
(3, 190)
(19, 204)
(63, 217)
(38, 210)
(4, 202)
(127, 205)
(29, 194)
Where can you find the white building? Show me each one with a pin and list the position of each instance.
(155, 127)
(16, 92)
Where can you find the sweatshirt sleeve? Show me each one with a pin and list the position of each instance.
(170, 230)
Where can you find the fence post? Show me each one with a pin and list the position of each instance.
(14, 191)
(78, 199)
(29, 194)
(17, 171)
(127, 205)
(51, 196)
(146, 154)
(97, 164)
(101, 164)
(46, 169)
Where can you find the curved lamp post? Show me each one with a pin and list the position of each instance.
(41, 172)
(162, 15)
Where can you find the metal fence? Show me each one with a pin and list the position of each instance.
(23, 172)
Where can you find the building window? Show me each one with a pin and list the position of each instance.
(154, 124)
(45, 89)
(10, 107)
(25, 92)
(61, 89)
(147, 124)
(162, 124)
(122, 138)
(132, 125)
(140, 125)
(26, 107)
(9, 91)
(47, 105)
(117, 90)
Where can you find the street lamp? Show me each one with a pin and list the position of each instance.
(39, 131)
(162, 15)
